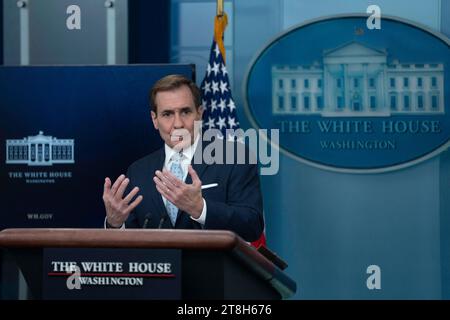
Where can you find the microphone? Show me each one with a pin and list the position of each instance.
(146, 220)
(162, 220)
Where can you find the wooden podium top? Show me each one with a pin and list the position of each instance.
(152, 238)
(136, 238)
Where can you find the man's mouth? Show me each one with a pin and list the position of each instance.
(176, 138)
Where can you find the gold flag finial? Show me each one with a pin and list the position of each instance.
(220, 23)
(220, 8)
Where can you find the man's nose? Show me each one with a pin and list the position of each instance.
(177, 122)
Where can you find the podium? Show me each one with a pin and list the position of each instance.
(160, 264)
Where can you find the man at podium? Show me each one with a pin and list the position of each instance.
(168, 189)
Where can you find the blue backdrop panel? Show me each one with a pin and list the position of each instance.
(102, 112)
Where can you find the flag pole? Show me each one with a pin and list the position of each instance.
(220, 8)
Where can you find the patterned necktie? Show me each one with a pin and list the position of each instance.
(176, 170)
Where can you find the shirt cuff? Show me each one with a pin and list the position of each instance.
(202, 217)
(105, 225)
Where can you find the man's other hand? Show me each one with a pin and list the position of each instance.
(117, 207)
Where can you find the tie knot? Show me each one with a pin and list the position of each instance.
(177, 157)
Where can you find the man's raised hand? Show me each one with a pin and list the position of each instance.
(117, 207)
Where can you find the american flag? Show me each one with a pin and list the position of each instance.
(220, 110)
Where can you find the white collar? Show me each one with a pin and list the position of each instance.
(187, 152)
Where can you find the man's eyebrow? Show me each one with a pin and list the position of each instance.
(187, 108)
(167, 111)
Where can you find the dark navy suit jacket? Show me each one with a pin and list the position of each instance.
(235, 204)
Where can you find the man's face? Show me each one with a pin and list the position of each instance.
(175, 116)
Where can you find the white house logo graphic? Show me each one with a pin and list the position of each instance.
(355, 80)
(39, 150)
(351, 99)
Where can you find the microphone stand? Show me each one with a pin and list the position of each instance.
(146, 220)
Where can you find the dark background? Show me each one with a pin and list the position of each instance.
(149, 24)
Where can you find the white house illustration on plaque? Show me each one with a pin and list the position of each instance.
(354, 80)
(39, 150)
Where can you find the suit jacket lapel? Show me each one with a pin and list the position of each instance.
(156, 196)
(198, 167)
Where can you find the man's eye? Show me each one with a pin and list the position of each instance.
(166, 114)
(187, 111)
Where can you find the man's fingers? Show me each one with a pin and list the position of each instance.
(195, 179)
(122, 188)
(167, 181)
(131, 195)
(164, 193)
(160, 190)
(171, 178)
(106, 187)
(159, 183)
(134, 204)
(117, 184)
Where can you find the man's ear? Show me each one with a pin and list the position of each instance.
(200, 110)
(155, 122)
